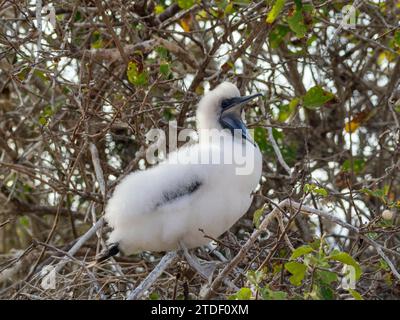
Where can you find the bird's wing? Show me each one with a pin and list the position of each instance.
(179, 190)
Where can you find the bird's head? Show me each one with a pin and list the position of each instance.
(222, 108)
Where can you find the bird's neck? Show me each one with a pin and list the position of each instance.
(213, 135)
(207, 121)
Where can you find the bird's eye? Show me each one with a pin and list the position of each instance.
(225, 103)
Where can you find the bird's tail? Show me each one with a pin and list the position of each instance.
(111, 251)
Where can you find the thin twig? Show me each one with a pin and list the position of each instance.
(82, 240)
(152, 276)
(277, 151)
(97, 168)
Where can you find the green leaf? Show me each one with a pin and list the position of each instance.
(327, 277)
(308, 188)
(321, 192)
(27, 188)
(78, 16)
(285, 111)
(277, 35)
(296, 23)
(345, 258)
(168, 114)
(379, 193)
(325, 292)
(301, 251)
(388, 279)
(141, 79)
(41, 75)
(316, 244)
(134, 76)
(165, 69)
(396, 38)
(316, 97)
(45, 115)
(384, 265)
(42, 121)
(355, 294)
(255, 277)
(162, 53)
(293, 103)
(159, 9)
(154, 296)
(298, 271)
(299, 4)
(47, 111)
(277, 268)
(312, 188)
(260, 137)
(229, 9)
(358, 165)
(268, 294)
(186, 4)
(289, 154)
(66, 90)
(97, 41)
(275, 11)
(23, 73)
(243, 294)
(24, 221)
(278, 135)
(311, 40)
(257, 216)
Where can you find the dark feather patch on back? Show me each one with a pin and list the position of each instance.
(180, 191)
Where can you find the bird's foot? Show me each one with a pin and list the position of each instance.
(205, 269)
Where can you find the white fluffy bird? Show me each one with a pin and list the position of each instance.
(167, 206)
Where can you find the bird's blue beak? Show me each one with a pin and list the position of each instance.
(230, 117)
(237, 102)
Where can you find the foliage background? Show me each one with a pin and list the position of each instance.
(82, 82)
